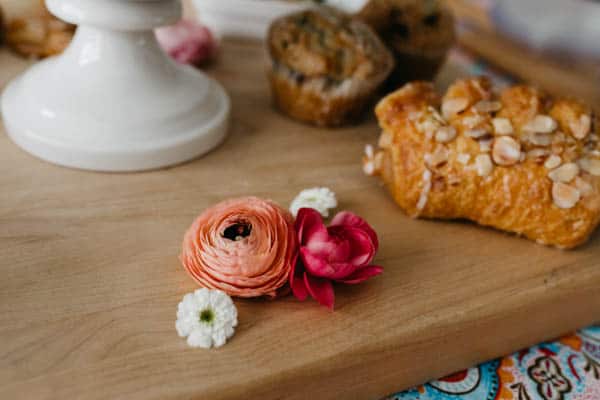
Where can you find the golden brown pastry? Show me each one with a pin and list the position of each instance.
(520, 161)
(325, 66)
(40, 35)
(419, 32)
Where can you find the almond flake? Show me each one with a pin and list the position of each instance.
(502, 126)
(369, 168)
(484, 165)
(553, 162)
(590, 165)
(369, 151)
(425, 191)
(582, 127)
(486, 106)
(451, 107)
(472, 121)
(584, 187)
(565, 173)
(445, 134)
(436, 115)
(506, 151)
(385, 140)
(485, 144)
(538, 155)
(541, 124)
(476, 133)
(565, 196)
(540, 139)
(438, 158)
(463, 158)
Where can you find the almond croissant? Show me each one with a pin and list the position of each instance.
(519, 161)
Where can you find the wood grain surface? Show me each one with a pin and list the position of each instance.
(91, 280)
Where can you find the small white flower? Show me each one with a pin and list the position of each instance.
(207, 318)
(321, 199)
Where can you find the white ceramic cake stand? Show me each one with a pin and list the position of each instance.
(114, 101)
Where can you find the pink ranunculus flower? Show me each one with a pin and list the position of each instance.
(244, 247)
(187, 42)
(341, 253)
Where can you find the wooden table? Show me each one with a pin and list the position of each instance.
(91, 280)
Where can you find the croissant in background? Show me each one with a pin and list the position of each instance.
(520, 161)
(37, 33)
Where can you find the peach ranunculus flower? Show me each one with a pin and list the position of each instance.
(245, 247)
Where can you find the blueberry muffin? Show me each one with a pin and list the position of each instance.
(325, 66)
(419, 33)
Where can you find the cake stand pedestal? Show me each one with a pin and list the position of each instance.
(114, 101)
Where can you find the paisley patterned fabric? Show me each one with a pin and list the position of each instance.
(568, 369)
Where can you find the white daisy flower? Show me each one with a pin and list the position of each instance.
(207, 318)
(321, 199)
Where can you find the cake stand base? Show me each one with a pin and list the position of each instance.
(150, 145)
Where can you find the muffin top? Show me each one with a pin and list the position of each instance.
(325, 43)
(415, 26)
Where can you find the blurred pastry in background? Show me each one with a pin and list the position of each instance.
(39, 34)
(419, 32)
(325, 66)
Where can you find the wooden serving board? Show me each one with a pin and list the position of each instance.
(91, 280)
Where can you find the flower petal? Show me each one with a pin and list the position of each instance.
(321, 290)
(297, 283)
(346, 218)
(361, 247)
(362, 275)
(316, 265)
(309, 225)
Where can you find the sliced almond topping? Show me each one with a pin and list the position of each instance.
(445, 134)
(463, 158)
(476, 133)
(538, 155)
(484, 165)
(590, 165)
(451, 107)
(502, 126)
(369, 151)
(582, 127)
(540, 139)
(485, 144)
(427, 175)
(584, 187)
(486, 106)
(438, 158)
(506, 151)
(553, 162)
(541, 124)
(428, 127)
(565, 196)
(415, 115)
(472, 121)
(565, 173)
(369, 168)
(436, 115)
(385, 140)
